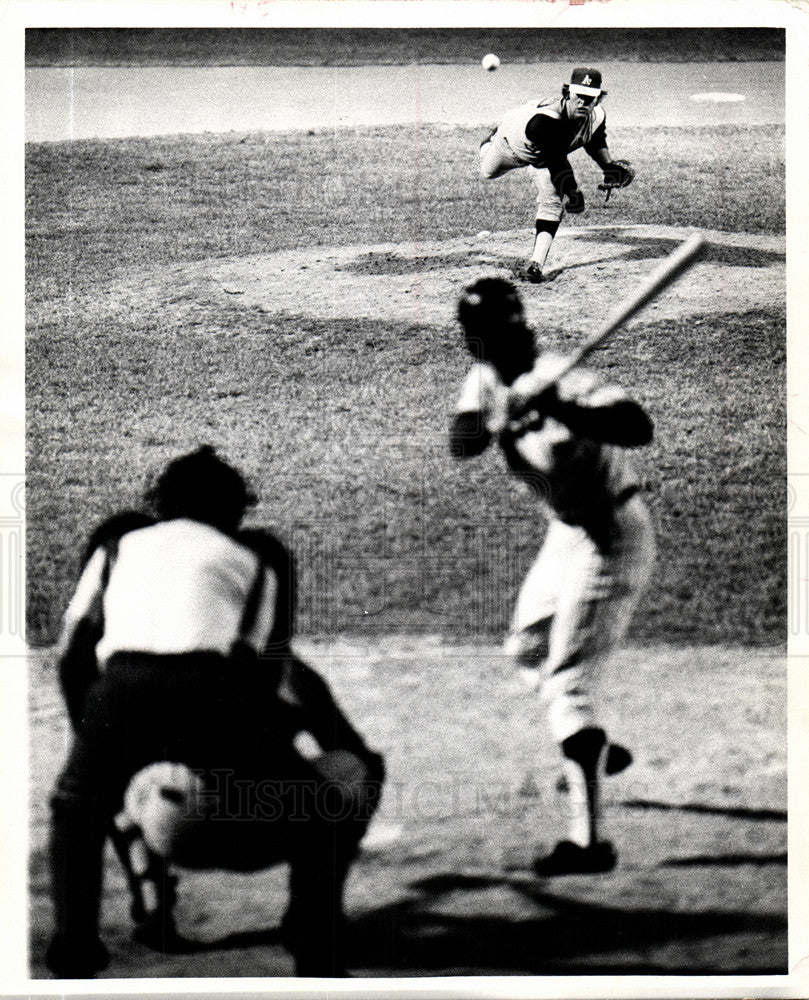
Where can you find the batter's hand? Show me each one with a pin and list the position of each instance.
(575, 202)
(536, 389)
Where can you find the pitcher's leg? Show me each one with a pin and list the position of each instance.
(496, 157)
(548, 216)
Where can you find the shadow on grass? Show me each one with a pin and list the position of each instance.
(567, 937)
(644, 247)
(725, 860)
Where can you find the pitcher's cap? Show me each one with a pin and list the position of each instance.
(586, 81)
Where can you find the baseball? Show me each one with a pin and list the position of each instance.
(490, 62)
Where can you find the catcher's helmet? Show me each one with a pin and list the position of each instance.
(166, 801)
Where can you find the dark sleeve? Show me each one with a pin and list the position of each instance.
(624, 423)
(78, 668)
(597, 143)
(319, 712)
(275, 555)
(548, 136)
(468, 435)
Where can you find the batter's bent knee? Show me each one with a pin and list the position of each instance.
(529, 646)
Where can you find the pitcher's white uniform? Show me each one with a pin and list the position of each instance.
(510, 147)
(575, 604)
(539, 135)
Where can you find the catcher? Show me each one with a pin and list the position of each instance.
(540, 135)
(179, 680)
(567, 442)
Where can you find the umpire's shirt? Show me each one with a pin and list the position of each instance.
(178, 586)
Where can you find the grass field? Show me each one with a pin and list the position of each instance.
(133, 352)
(699, 819)
(290, 299)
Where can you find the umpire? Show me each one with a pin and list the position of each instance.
(176, 648)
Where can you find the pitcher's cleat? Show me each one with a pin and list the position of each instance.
(568, 858)
(488, 138)
(533, 274)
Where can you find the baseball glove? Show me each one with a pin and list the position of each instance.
(619, 174)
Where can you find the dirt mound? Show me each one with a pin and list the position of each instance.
(590, 269)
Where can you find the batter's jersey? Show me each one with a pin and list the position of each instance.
(177, 586)
(578, 480)
(560, 134)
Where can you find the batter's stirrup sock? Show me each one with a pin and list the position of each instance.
(583, 753)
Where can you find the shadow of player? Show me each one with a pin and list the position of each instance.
(567, 936)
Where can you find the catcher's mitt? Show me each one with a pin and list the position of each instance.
(619, 174)
(165, 800)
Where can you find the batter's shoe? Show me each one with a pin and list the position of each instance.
(618, 759)
(568, 858)
(533, 274)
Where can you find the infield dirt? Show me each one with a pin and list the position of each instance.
(699, 819)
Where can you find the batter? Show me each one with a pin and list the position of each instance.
(567, 441)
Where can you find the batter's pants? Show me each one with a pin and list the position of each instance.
(575, 606)
(497, 158)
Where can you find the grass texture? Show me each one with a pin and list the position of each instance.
(343, 424)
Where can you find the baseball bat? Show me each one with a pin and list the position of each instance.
(671, 268)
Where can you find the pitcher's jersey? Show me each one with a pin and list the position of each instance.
(561, 135)
(177, 586)
(578, 480)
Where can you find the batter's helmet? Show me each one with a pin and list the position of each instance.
(491, 314)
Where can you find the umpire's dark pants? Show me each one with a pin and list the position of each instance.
(222, 718)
